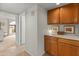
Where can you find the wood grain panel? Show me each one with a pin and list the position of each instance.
(68, 14)
(61, 47)
(66, 49)
(69, 41)
(53, 16)
(51, 45)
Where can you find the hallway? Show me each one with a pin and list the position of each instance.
(9, 47)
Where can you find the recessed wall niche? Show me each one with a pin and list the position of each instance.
(61, 27)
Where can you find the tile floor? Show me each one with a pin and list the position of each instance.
(8, 47)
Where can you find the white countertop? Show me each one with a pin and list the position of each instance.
(67, 36)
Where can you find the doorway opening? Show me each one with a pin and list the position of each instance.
(12, 28)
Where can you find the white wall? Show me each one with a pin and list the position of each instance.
(18, 30)
(31, 30)
(42, 25)
(36, 21)
(22, 25)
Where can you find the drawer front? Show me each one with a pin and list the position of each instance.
(69, 41)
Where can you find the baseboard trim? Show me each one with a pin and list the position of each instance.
(28, 52)
(43, 53)
(32, 54)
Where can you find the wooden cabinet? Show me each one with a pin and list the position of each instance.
(65, 49)
(61, 47)
(53, 16)
(51, 45)
(77, 14)
(68, 14)
(47, 44)
(77, 51)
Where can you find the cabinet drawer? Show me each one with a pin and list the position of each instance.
(69, 41)
(50, 38)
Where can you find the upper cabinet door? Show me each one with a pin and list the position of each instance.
(68, 14)
(53, 16)
(77, 13)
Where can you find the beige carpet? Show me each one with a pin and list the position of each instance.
(8, 47)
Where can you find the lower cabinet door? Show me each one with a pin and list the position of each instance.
(54, 48)
(51, 45)
(77, 50)
(61, 47)
(66, 49)
(47, 45)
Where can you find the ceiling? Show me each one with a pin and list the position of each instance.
(20, 7)
(49, 6)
